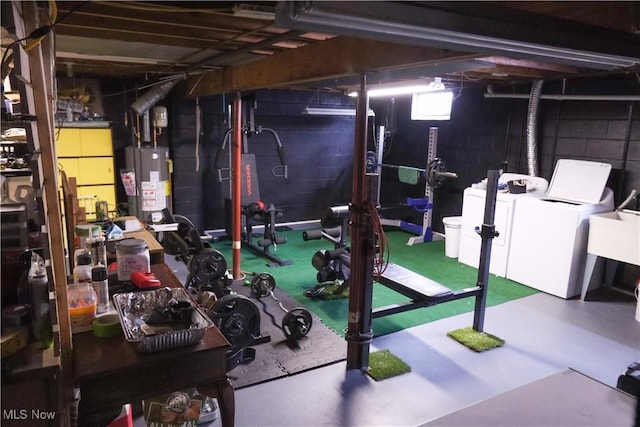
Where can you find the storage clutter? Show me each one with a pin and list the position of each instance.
(88, 294)
(83, 304)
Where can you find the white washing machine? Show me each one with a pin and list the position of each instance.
(549, 234)
(473, 204)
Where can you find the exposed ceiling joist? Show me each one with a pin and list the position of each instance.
(150, 40)
(338, 57)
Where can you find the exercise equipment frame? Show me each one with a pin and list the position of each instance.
(421, 291)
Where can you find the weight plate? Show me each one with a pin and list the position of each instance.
(262, 284)
(296, 324)
(170, 240)
(207, 266)
(238, 318)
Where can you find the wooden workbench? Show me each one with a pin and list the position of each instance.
(110, 372)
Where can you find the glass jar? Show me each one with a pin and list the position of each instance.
(82, 270)
(132, 255)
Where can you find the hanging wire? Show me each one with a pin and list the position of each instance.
(37, 35)
(380, 243)
(198, 124)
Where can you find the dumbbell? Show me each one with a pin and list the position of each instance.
(296, 323)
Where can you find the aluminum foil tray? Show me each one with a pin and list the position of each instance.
(135, 308)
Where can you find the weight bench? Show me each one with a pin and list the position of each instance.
(422, 291)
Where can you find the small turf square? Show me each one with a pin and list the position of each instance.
(476, 341)
(383, 364)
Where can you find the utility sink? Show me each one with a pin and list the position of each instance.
(615, 235)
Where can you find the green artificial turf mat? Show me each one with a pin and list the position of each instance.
(476, 341)
(383, 364)
(427, 259)
(328, 291)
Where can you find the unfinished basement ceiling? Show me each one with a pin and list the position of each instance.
(231, 46)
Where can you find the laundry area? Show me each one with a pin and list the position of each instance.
(320, 214)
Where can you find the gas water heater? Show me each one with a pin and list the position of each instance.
(153, 186)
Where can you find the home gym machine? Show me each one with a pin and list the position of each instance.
(255, 213)
(421, 291)
(435, 173)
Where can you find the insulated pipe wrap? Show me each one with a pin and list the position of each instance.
(532, 123)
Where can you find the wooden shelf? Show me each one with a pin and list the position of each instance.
(16, 172)
(39, 362)
(45, 382)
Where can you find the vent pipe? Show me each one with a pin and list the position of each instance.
(532, 124)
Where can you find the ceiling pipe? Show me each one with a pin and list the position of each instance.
(566, 97)
(449, 26)
(153, 95)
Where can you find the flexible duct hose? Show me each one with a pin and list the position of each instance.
(532, 123)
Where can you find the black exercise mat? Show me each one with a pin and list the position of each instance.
(281, 357)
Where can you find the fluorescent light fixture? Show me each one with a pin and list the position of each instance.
(402, 88)
(394, 91)
(435, 105)
(328, 111)
(432, 25)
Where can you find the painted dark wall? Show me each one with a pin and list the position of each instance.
(482, 134)
(318, 151)
(485, 133)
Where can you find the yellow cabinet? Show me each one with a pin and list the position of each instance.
(83, 142)
(87, 155)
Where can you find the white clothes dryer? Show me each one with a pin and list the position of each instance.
(473, 216)
(549, 234)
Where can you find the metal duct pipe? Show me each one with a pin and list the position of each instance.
(153, 95)
(532, 123)
(566, 97)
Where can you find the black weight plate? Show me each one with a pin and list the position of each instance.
(297, 323)
(207, 266)
(262, 284)
(170, 239)
(238, 319)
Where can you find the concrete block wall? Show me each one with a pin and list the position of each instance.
(482, 133)
(318, 150)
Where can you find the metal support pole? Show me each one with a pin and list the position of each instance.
(488, 232)
(237, 188)
(379, 165)
(429, 192)
(359, 333)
